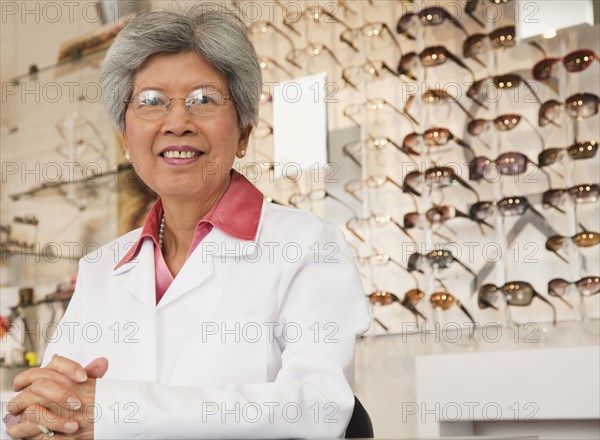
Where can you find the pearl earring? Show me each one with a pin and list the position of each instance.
(127, 156)
(242, 153)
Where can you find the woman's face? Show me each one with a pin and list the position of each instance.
(212, 142)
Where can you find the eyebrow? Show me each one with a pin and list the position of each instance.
(195, 87)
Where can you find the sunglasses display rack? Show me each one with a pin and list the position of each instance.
(438, 192)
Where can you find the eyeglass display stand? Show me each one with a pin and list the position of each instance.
(497, 193)
(364, 157)
(570, 134)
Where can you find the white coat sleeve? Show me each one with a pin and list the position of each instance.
(312, 394)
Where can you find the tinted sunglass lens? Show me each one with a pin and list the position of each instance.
(588, 286)
(543, 69)
(583, 150)
(578, 60)
(584, 193)
(549, 156)
(507, 122)
(582, 105)
(512, 163)
(557, 287)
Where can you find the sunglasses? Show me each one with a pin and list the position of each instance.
(374, 143)
(500, 82)
(575, 61)
(582, 239)
(298, 199)
(430, 57)
(370, 30)
(438, 215)
(586, 286)
(432, 16)
(505, 122)
(578, 106)
(516, 293)
(501, 38)
(370, 70)
(508, 164)
(582, 193)
(438, 259)
(353, 111)
(434, 96)
(434, 137)
(508, 206)
(445, 300)
(578, 151)
(471, 6)
(384, 298)
(438, 177)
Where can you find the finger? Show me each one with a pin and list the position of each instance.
(97, 368)
(68, 367)
(45, 393)
(38, 415)
(27, 377)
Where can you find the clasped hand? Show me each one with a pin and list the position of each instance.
(59, 396)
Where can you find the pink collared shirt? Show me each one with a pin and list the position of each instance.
(237, 214)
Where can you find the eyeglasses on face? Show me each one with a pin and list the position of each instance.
(578, 151)
(505, 122)
(438, 177)
(586, 287)
(369, 30)
(204, 102)
(578, 106)
(516, 293)
(508, 206)
(575, 61)
(582, 193)
(508, 164)
(557, 243)
(434, 137)
(370, 70)
(384, 298)
(429, 57)
(500, 82)
(438, 259)
(374, 143)
(445, 300)
(431, 16)
(434, 96)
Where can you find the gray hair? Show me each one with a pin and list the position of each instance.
(209, 30)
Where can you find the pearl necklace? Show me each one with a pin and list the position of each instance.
(161, 232)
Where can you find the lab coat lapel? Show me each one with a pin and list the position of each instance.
(137, 276)
(216, 248)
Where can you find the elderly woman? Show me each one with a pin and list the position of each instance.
(224, 316)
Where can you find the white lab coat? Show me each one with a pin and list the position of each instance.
(251, 340)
